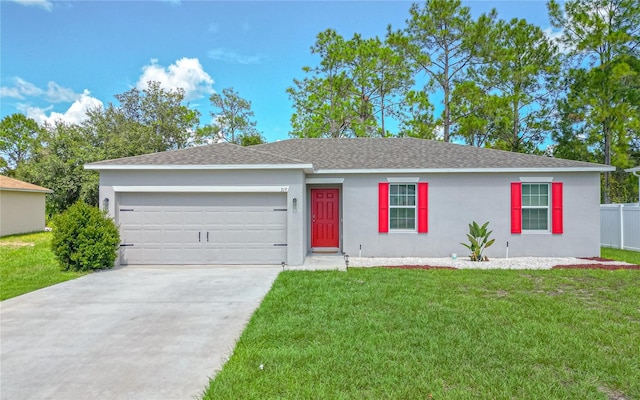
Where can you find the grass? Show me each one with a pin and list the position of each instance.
(27, 264)
(629, 256)
(416, 334)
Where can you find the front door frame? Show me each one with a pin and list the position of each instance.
(339, 217)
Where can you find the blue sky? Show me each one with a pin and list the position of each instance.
(59, 57)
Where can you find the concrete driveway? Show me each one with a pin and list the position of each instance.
(127, 333)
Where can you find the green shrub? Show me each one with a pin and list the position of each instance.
(84, 238)
(478, 240)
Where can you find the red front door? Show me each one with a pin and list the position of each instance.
(325, 218)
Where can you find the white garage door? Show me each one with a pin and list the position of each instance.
(203, 228)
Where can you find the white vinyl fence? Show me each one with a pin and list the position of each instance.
(620, 226)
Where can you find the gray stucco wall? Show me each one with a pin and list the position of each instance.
(457, 199)
(454, 201)
(294, 179)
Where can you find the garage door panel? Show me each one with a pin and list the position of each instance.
(164, 228)
(191, 218)
(130, 218)
(131, 235)
(130, 256)
(151, 255)
(182, 255)
(153, 238)
(255, 235)
(151, 215)
(169, 236)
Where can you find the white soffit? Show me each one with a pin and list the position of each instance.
(402, 179)
(201, 189)
(324, 180)
(461, 170)
(536, 179)
(306, 167)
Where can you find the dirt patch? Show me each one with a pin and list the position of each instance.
(16, 244)
(596, 259)
(612, 394)
(418, 267)
(597, 266)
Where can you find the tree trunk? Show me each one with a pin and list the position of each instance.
(515, 142)
(447, 110)
(447, 94)
(382, 115)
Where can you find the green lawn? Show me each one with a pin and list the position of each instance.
(419, 334)
(629, 256)
(27, 263)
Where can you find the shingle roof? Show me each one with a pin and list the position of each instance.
(355, 154)
(213, 154)
(408, 153)
(11, 184)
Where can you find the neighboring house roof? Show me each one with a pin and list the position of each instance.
(10, 184)
(354, 155)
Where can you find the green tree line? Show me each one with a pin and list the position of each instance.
(498, 83)
(144, 121)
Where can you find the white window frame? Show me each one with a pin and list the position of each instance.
(414, 207)
(547, 207)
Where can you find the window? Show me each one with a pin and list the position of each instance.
(398, 204)
(402, 206)
(535, 207)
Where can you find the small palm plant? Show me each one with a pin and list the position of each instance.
(478, 240)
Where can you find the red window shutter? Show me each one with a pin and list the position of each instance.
(516, 207)
(383, 207)
(423, 207)
(556, 207)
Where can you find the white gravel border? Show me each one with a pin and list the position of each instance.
(465, 263)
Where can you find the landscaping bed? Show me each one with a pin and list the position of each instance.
(610, 267)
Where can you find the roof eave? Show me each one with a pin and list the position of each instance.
(44, 191)
(308, 168)
(463, 170)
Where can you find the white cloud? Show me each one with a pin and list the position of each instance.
(21, 89)
(12, 92)
(58, 94)
(75, 114)
(54, 92)
(556, 38)
(438, 131)
(186, 73)
(27, 88)
(36, 113)
(232, 57)
(44, 4)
